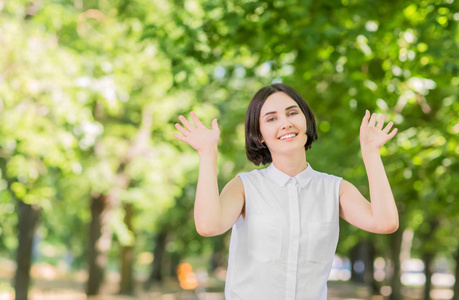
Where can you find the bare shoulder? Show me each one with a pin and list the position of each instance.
(235, 185)
(346, 186)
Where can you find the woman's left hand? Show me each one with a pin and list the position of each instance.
(372, 136)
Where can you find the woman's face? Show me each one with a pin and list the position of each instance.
(282, 124)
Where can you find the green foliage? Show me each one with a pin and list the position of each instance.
(77, 77)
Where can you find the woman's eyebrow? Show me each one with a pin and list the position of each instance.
(273, 112)
(290, 107)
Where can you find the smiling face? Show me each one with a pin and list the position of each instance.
(282, 124)
(273, 100)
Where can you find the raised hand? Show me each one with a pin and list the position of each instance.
(372, 136)
(199, 137)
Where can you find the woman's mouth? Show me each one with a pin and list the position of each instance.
(288, 136)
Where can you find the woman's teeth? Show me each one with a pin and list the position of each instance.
(288, 136)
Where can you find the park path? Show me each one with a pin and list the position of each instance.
(74, 290)
(73, 287)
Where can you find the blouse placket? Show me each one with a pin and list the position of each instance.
(294, 246)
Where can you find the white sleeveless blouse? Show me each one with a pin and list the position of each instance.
(284, 247)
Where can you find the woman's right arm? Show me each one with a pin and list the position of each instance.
(214, 214)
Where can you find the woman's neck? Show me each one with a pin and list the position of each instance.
(292, 164)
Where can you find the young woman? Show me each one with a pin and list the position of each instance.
(285, 217)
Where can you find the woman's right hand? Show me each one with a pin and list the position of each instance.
(199, 137)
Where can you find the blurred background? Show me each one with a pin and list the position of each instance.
(96, 195)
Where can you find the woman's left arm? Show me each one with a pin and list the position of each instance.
(380, 215)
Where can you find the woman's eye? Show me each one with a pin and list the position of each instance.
(292, 113)
(270, 120)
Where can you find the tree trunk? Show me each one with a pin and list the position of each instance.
(218, 258)
(174, 261)
(127, 256)
(356, 264)
(100, 237)
(456, 284)
(137, 148)
(428, 255)
(158, 255)
(427, 259)
(362, 260)
(370, 267)
(395, 241)
(28, 220)
(102, 206)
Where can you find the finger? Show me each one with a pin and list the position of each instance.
(186, 123)
(214, 124)
(392, 134)
(180, 137)
(372, 120)
(388, 127)
(381, 122)
(181, 129)
(365, 118)
(196, 120)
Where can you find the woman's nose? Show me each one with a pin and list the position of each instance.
(286, 123)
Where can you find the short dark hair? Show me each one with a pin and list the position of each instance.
(256, 151)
